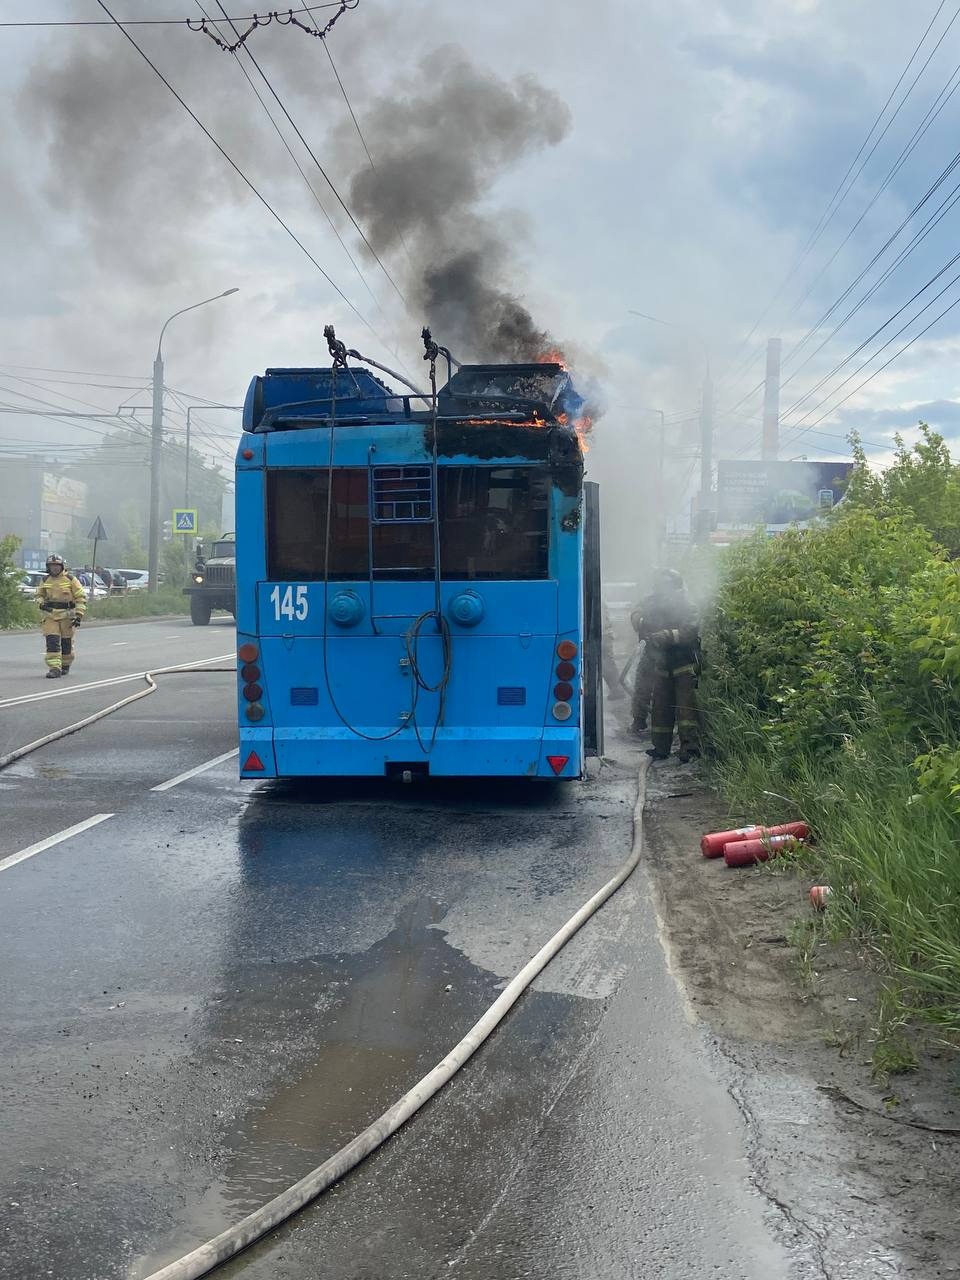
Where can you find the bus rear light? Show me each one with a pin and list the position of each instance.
(252, 692)
(563, 691)
(248, 652)
(246, 453)
(252, 764)
(249, 673)
(256, 712)
(561, 711)
(557, 763)
(566, 670)
(566, 649)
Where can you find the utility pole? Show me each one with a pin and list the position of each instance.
(156, 441)
(705, 504)
(771, 403)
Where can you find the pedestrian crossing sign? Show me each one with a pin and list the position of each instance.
(184, 520)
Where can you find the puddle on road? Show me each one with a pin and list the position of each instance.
(385, 1018)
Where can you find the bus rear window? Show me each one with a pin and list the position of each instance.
(297, 524)
(493, 523)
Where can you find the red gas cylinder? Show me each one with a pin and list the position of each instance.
(743, 853)
(713, 844)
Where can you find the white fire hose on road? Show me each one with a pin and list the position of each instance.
(20, 752)
(203, 1259)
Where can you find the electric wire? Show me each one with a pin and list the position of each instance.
(243, 177)
(939, 213)
(326, 177)
(889, 178)
(896, 355)
(303, 173)
(876, 333)
(833, 205)
(154, 22)
(950, 87)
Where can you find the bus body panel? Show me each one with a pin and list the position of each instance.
(498, 707)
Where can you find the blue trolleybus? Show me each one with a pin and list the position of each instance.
(417, 575)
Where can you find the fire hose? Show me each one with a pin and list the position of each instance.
(30, 747)
(202, 1260)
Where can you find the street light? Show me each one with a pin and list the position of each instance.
(156, 437)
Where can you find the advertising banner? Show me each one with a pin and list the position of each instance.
(777, 494)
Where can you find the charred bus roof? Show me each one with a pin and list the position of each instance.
(479, 395)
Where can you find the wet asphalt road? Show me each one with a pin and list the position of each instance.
(205, 994)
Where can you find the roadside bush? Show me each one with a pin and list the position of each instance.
(15, 608)
(832, 690)
(139, 604)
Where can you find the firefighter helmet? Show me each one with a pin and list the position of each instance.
(53, 558)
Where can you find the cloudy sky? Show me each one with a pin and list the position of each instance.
(594, 159)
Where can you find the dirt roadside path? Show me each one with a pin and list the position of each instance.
(865, 1171)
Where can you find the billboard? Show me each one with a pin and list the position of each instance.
(777, 494)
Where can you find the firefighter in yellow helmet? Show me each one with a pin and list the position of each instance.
(63, 602)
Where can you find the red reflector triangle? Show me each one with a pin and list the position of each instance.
(557, 763)
(253, 763)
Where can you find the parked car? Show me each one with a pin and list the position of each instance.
(30, 579)
(84, 577)
(136, 579)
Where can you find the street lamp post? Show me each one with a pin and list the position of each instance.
(156, 439)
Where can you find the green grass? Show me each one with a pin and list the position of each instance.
(138, 604)
(892, 856)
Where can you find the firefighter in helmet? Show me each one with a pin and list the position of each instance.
(63, 602)
(673, 638)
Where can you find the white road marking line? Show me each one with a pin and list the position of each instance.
(192, 773)
(41, 845)
(101, 684)
(118, 644)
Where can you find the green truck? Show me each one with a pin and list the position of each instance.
(213, 582)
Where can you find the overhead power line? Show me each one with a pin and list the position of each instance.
(154, 22)
(876, 333)
(300, 169)
(326, 177)
(834, 204)
(243, 177)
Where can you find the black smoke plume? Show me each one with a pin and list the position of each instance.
(437, 149)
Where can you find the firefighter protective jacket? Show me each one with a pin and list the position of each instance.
(670, 626)
(61, 595)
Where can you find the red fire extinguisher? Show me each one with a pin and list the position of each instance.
(712, 845)
(743, 853)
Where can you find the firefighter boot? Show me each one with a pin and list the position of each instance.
(52, 645)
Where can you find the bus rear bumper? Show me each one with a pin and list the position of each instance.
(551, 753)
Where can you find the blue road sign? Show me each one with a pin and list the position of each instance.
(184, 520)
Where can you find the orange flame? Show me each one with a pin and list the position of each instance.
(582, 426)
(553, 355)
